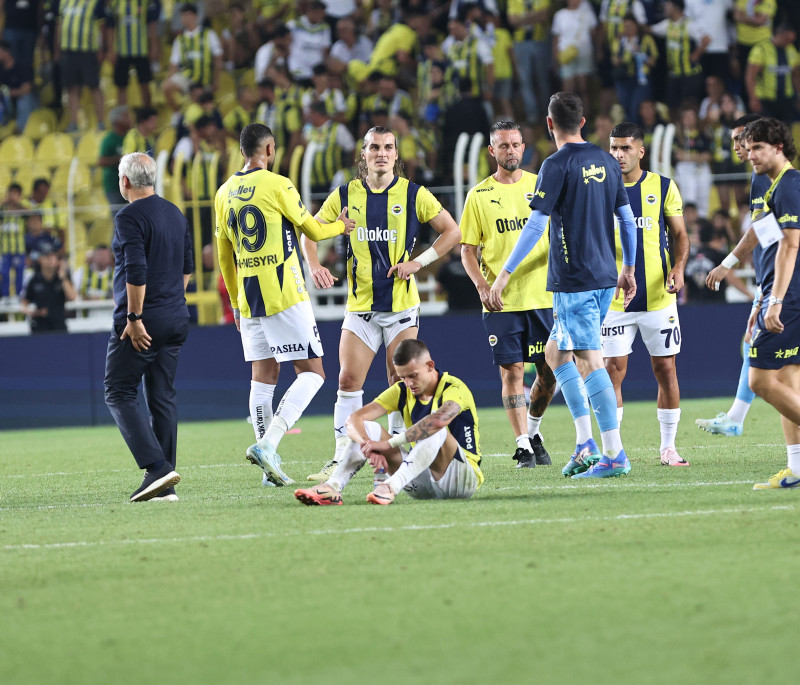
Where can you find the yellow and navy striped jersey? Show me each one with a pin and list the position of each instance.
(387, 226)
(653, 198)
(775, 80)
(399, 104)
(134, 141)
(257, 214)
(680, 46)
(235, 120)
(80, 25)
(329, 157)
(52, 215)
(464, 427)
(12, 231)
(624, 50)
(98, 284)
(494, 214)
(536, 32)
(130, 19)
(465, 57)
(196, 60)
(617, 9)
(750, 35)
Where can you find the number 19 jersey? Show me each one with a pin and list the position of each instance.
(257, 213)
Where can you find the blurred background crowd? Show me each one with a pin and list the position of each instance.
(84, 81)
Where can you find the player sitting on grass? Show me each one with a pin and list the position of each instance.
(437, 457)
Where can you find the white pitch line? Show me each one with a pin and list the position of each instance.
(394, 529)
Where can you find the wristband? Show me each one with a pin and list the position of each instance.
(774, 300)
(236, 314)
(730, 261)
(428, 257)
(397, 440)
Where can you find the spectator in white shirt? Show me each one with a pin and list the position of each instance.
(349, 47)
(572, 46)
(274, 53)
(712, 15)
(311, 42)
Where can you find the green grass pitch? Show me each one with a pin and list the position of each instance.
(667, 575)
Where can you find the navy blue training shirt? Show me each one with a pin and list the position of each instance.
(152, 247)
(785, 205)
(758, 187)
(579, 187)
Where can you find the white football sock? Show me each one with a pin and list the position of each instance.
(346, 403)
(668, 420)
(583, 429)
(620, 412)
(418, 459)
(261, 395)
(738, 410)
(793, 454)
(352, 459)
(533, 425)
(296, 399)
(612, 442)
(524, 442)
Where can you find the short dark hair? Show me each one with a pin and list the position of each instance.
(319, 107)
(204, 121)
(39, 182)
(144, 113)
(14, 186)
(773, 132)
(566, 111)
(319, 69)
(504, 126)
(744, 120)
(407, 350)
(680, 4)
(627, 129)
(253, 137)
(189, 7)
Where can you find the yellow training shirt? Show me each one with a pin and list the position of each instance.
(494, 214)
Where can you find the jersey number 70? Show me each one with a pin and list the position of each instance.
(249, 227)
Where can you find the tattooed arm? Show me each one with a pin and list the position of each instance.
(424, 428)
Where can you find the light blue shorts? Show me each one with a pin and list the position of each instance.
(577, 318)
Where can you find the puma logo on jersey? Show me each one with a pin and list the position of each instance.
(497, 202)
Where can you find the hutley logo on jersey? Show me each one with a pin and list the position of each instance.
(243, 192)
(594, 173)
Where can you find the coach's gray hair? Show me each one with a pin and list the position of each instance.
(139, 168)
(117, 113)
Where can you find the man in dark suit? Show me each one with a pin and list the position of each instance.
(153, 255)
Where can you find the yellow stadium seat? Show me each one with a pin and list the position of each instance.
(226, 103)
(27, 174)
(16, 151)
(5, 179)
(88, 148)
(55, 149)
(91, 206)
(166, 140)
(100, 231)
(227, 86)
(78, 248)
(83, 178)
(40, 123)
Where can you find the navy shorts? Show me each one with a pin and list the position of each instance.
(518, 336)
(776, 350)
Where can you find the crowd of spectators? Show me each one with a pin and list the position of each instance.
(325, 72)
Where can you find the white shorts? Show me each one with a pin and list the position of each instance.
(459, 481)
(375, 328)
(661, 332)
(287, 336)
